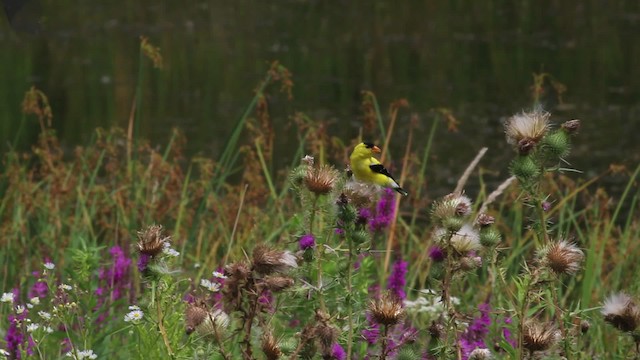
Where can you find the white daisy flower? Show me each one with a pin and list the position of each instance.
(211, 286)
(134, 316)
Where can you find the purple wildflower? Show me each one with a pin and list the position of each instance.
(475, 334)
(546, 206)
(385, 210)
(15, 339)
(364, 214)
(339, 231)
(372, 332)
(39, 289)
(114, 280)
(307, 241)
(266, 300)
(337, 352)
(436, 254)
(143, 262)
(397, 281)
(507, 333)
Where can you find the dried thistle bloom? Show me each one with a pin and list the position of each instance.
(326, 333)
(468, 263)
(621, 311)
(539, 336)
(278, 283)
(484, 220)
(524, 131)
(199, 318)
(237, 275)
(452, 210)
(480, 354)
(360, 194)
(466, 239)
(307, 160)
(270, 346)
(152, 241)
(321, 180)
(561, 257)
(571, 126)
(267, 261)
(387, 310)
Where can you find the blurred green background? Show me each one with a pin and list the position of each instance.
(473, 57)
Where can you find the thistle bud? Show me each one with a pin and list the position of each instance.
(490, 236)
(436, 330)
(361, 237)
(452, 211)
(469, 263)
(484, 220)
(584, 326)
(557, 144)
(571, 126)
(278, 283)
(525, 169)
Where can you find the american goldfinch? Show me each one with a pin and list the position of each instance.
(367, 168)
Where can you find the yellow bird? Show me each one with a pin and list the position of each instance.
(367, 168)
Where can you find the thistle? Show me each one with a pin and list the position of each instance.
(524, 131)
(561, 257)
(539, 336)
(621, 311)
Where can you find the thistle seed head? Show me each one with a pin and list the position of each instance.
(152, 241)
(539, 336)
(561, 257)
(267, 261)
(278, 283)
(480, 354)
(387, 310)
(452, 205)
(466, 239)
(270, 346)
(621, 311)
(524, 131)
(205, 322)
(321, 180)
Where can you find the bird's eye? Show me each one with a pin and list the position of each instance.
(369, 145)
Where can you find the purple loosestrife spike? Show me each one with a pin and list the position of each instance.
(143, 262)
(385, 209)
(397, 281)
(474, 336)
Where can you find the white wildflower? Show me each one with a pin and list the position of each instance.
(45, 315)
(134, 307)
(19, 309)
(219, 275)
(48, 329)
(49, 265)
(170, 252)
(35, 300)
(134, 316)
(7, 298)
(211, 286)
(32, 327)
(65, 287)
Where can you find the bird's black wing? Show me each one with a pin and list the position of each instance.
(380, 169)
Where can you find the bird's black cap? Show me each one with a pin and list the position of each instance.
(369, 145)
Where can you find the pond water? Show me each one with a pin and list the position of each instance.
(475, 58)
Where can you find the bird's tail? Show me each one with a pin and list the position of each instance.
(401, 191)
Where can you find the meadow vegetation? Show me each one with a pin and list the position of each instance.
(121, 250)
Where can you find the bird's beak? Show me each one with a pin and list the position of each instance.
(375, 149)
